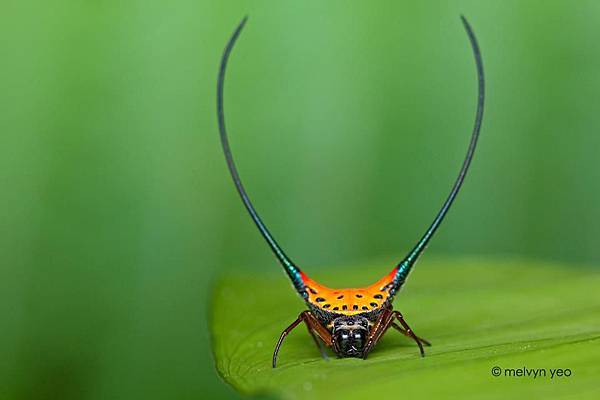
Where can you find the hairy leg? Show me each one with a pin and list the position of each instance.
(314, 328)
(405, 333)
(317, 331)
(409, 331)
(383, 323)
(318, 342)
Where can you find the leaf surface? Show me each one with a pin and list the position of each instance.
(518, 315)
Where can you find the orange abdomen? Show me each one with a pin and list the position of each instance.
(349, 301)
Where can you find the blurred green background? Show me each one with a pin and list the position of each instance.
(348, 120)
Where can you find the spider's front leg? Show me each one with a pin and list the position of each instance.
(409, 332)
(384, 322)
(316, 330)
(381, 325)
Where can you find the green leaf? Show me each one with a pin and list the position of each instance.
(477, 314)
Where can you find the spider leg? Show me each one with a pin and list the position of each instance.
(405, 333)
(315, 329)
(383, 323)
(313, 325)
(409, 331)
(283, 335)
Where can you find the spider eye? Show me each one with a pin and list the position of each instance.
(343, 334)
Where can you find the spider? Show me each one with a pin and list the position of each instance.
(350, 321)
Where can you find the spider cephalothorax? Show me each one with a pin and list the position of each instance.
(350, 334)
(350, 321)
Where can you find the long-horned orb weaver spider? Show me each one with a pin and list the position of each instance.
(350, 321)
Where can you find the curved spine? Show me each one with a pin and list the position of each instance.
(405, 266)
(290, 268)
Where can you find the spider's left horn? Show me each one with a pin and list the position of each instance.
(289, 267)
